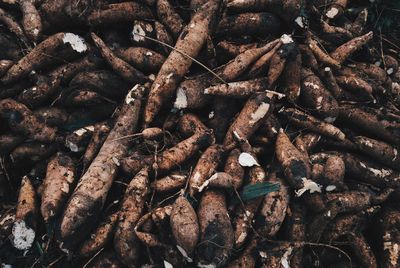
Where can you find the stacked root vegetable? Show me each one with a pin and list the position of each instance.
(197, 133)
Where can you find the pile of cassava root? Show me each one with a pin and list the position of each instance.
(177, 133)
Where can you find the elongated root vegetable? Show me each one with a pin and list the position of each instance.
(169, 183)
(60, 43)
(169, 17)
(31, 20)
(126, 71)
(171, 73)
(184, 224)
(304, 120)
(239, 89)
(142, 58)
(233, 168)
(389, 238)
(57, 186)
(22, 120)
(102, 235)
(344, 51)
(205, 167)
(23, 230)
(132, 207)
(100, 134)
(91, 191)
(257, 108)
(295, 165)
(216, 233)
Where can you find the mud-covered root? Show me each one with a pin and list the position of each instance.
(262, 64)
(389, 238)
(105, 258)
(144, 59)
(99, 135)
(317, 97)
(184, 224)
(67, 45)
(171, 73)
(295, 230)
(273, 209)
(291, 76)
(381, 151)
(343, 52)
(31, 20)
(100, 237)
(248, 24)
(79, 139)
(278, 59)
(132, 208)
(295, 165)
(190, 124)
(333, 174)
(126, 71)
(32, 151)
(119, 12)
(24, 228)
(8, 142)
(331, 83)
(13, 26)
(57, 185)
(234, 169)
(391, 64)
(247, 258)
(356, 86)
(163, 36)
(256, 109)
(245, 214)
(362, 250)
(205, 167)
(169, 17)
(22, 120)
(172, 182)
(5, 65)
(272, 255)
(241, 89)
(216, 233)
(321, 55)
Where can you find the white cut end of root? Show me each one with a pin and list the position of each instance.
(247, 160)
(23, 236)
(203, 265)
(115, 160)
(378, 63)
(332, 12)
(241, 238)
(327, 69)
(167, 264)
(285, 261)
(149, 53)
(184, 253)
(309, 84)
(330, 188)
(286, 39)
(299, 21)
(308, 185)
(389, 71)
(395, 154)
(152, 77)
(137, 33)
(36, 31)
(77, 43)
(72, 146)
(181, 99)
(330, 119)
(259, 114)
(64, 188)
(211, 115)
(206, 91)
(80, 131)
(129, 99)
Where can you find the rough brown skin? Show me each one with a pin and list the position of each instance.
(307, 58)
(45, 88)
(175, 67)
(233, 168)
(167, 16)
(334, 170)
(205, 167)
(343, 52)
(316, 96)
(142, 58)
(13, 26)
(106, 258)
(257, 108)
(31, 20)
(302, 119)
(21, 120)
(296, 231)
(273, 209)
(53, 45)
(358, 25)
(233, 49)
(100, 237)
(291, 77)
(133, 163)
(246, 259)
(389, 238)
(240, 89)
(126, 71)
(374, 72)
(82, 98)
(26, 207)
(368, 121)
(5, 65)
(295, 165)
(216, 233)
(321, 55)
(278, 62)
(184, 224)
(335, 33)
(189, 124)
(90, 194)
(181, 152)
(119, 12)
(57, 185)
(163, 36)
(262, 64)
(8, 142)
(52, 116)
(331, 83)
(248, 24)
(99, 136)
(363, 251)
(356, 85)
(391, 64)
(245, 214)
(132, 208)
(190, 92)
(32, 151)
(379, 150)
(172, 182)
